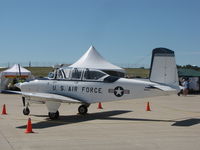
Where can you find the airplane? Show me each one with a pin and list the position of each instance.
(86, 86)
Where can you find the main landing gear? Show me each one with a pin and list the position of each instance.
(83, 109)
(54, 116)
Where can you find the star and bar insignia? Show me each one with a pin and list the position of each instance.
(119, 91)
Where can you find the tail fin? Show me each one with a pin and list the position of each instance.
(163, 67)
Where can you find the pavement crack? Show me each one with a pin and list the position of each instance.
(7, 141)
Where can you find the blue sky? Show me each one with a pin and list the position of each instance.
(123, 31)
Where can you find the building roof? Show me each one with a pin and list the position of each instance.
(184, 72)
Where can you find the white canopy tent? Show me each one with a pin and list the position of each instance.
(92, 59)
(16, 71)
(12, 73)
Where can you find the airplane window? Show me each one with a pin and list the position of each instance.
(59, 74)
(93, 74)
(63, 73)
(76, 73)
(111, 79)
(67, 73)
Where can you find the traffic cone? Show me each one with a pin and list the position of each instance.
(148, 107)
(29, 126)
(4, 110)
(100, 106)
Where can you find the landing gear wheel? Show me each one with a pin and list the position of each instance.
(54, 116)
(82, 109)
(26, 111)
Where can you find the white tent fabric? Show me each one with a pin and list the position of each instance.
(92, 59)
(16, 70)
(10, 74)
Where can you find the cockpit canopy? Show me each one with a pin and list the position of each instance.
(78, 74)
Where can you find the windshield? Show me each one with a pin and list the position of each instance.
(80, 74)
(59, 74)
(93, 74)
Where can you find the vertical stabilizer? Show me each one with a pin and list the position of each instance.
(163, 67)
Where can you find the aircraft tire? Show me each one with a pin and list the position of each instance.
(82, 109)
(54, 116)
(26, 111)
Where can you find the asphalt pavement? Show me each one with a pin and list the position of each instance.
(172, 124)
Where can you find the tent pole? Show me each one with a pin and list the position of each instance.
(19, 70)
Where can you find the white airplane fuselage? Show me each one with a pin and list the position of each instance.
(92, 92)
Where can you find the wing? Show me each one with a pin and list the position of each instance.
(11, 92)
(43, 97)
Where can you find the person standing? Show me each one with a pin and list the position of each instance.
(185, 87)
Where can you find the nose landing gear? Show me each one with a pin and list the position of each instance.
(26, 110)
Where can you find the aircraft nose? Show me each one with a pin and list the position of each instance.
(18, 85)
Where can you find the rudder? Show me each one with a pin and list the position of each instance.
(163, 67)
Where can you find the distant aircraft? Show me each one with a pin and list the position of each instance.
(87, 86)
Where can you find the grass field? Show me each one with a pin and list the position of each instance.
(137, 72)
(40, 71)
(43, 71)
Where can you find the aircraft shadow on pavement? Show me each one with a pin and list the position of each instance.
(108, 115)
(187, 122)
(65, 120)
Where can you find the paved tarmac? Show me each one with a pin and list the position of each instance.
(173, 124)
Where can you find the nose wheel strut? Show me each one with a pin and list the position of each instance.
(26, 110)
